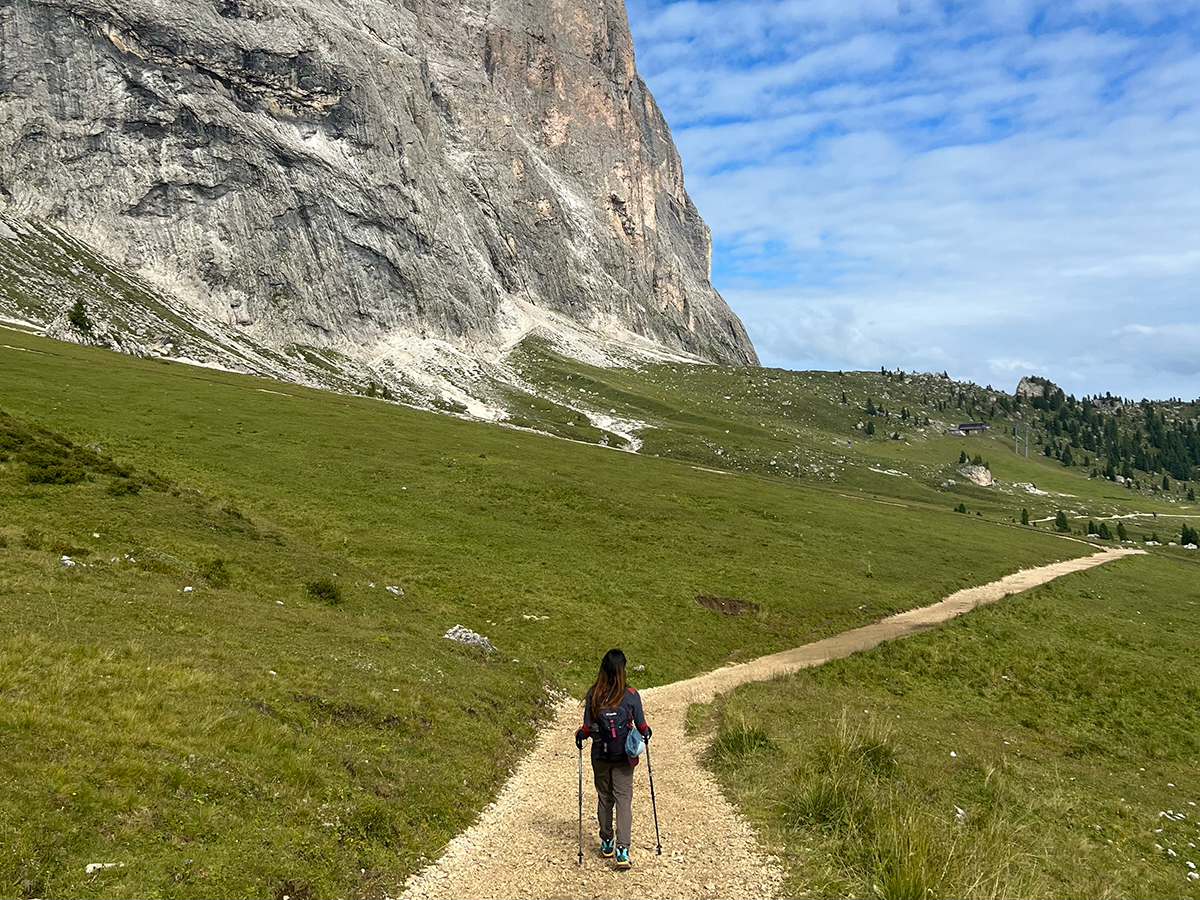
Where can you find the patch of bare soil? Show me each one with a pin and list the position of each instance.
(726, 605)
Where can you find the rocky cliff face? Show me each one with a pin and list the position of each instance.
(349, 172)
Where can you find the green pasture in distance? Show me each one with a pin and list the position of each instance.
(244, 737)
(794, 425)
(1046, 746)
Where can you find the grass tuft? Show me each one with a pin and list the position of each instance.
(737, 740)
(216, 573)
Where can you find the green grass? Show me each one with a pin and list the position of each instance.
(247, 737)
(1062, 723)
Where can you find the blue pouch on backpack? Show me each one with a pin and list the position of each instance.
(634, 745)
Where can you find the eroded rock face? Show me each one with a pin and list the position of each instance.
(342, 171)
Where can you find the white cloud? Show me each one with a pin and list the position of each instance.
(928, 187)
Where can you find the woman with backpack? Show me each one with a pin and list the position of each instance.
(611, 710)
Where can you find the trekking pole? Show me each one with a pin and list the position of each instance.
(581, 806)
(653, 805)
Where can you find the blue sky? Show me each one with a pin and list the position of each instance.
(994, 189)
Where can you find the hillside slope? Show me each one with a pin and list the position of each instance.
(247, 736)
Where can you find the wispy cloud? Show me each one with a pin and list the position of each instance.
(962, 187)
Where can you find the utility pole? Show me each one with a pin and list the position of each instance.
(1017, 439)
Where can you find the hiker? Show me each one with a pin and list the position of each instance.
(609, 709)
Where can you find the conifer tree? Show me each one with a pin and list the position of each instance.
(79, 318)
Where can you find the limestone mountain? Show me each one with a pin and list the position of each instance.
(364, 175)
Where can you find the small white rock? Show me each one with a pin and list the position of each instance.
(96, 867)
(188, 589)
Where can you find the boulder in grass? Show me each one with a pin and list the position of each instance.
(979, 475)
(464, 635)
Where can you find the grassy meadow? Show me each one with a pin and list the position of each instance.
(1044, 746)
(222, 696)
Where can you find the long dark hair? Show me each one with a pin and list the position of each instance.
(609, 686)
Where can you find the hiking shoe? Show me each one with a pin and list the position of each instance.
(606, 848)
(623, 858)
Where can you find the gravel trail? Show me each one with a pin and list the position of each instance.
(526, 843)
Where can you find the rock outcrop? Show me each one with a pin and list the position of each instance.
(980, 475)
(343, 172)
(1031, 387)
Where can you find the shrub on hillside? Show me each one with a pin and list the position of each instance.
(53, 468)
(216, 573)
(325, 590)
(121, 487)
